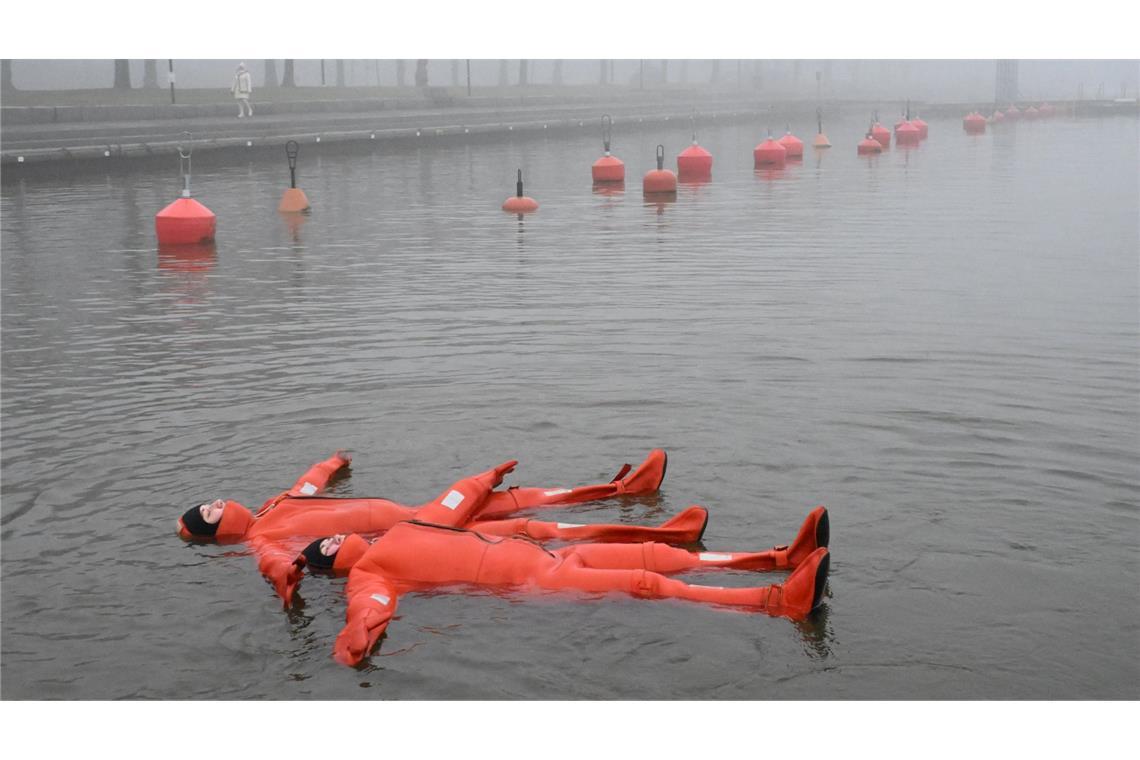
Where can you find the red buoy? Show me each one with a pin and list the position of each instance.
(793, 146)
(1012, 113)
(1031, 113)
(770, 153)
(869, 146)
(923, 128)
(519, 203)
(997, 116)
(1046, 110)
(907, 134)
(881, 134)
(659, 180)
(694, 164)
(185, 221)
(820, 141)
(608, 168)
(293, 200)
(974, 123)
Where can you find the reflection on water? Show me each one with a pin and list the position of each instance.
(940, 344)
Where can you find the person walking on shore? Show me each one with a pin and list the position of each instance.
(242, 89)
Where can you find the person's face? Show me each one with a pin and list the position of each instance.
(331, 545)
(212, 512)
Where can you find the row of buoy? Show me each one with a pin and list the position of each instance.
(974, 123)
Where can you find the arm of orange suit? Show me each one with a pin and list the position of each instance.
(317, 477)
(371, 605)
(463, 501)
(277, 561)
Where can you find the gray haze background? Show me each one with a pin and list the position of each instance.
(950, 80)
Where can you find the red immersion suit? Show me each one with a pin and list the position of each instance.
(286, 522)
(415, 555)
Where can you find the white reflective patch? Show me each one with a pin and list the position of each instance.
(381, 598)
(697, 585)
(569, 525)
(452, 500)
(556, 492)
(709, 557)
(308, 489)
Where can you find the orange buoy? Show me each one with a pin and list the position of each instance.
(770, 153)
(608, 168)
(996, 117)
(1012, 112)
(793, 146)
(1031, 113)
(974, 123)
(923, 127)
(869, 146)
(907, 134)
(294, 200)
(519, 203)
(185, 221)
(694, 164)
(881, 134)
(820, 140)
(659, 180)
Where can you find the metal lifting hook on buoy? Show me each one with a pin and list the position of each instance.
(518, 186)
(819, 120)
(660, 157)
(693, 125)
(607, 132)
(291, 151)
(185, 148)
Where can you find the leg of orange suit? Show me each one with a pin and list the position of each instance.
(686, 527)
(661, 558)
(795, 598)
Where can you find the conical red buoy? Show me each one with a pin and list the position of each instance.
(907, 134)
(659, 180)
(1012, 112)
(608, 168)
(1031, 113)
(694, 164)
(923, 127)
(974, 123)
(185, 220)
(869, 146)
(881, 134)
(293, 200)
(770, 153)
(997, 116)
(1046, 110)
(519, 203)
(793, 146)
(820, 141)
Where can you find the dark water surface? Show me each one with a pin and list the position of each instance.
(939, 344)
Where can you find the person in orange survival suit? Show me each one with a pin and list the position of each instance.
(415, 555)
(285, 522)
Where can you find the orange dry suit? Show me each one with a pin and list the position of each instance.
(415, 555)
(289, 520)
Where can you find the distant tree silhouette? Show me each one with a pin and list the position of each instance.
(6, 76)
(288, 79)
(270, 73)
(150, 73)
(421, 72)
(122, 74)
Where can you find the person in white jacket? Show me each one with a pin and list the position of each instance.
(242, 90)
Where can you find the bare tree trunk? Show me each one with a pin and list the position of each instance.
(421, 72)
(150, 73)
(288, 79)
(400, 72)
(6, 76)
(556, 77)
(270, 73)
(522, 73)
(122, 74)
